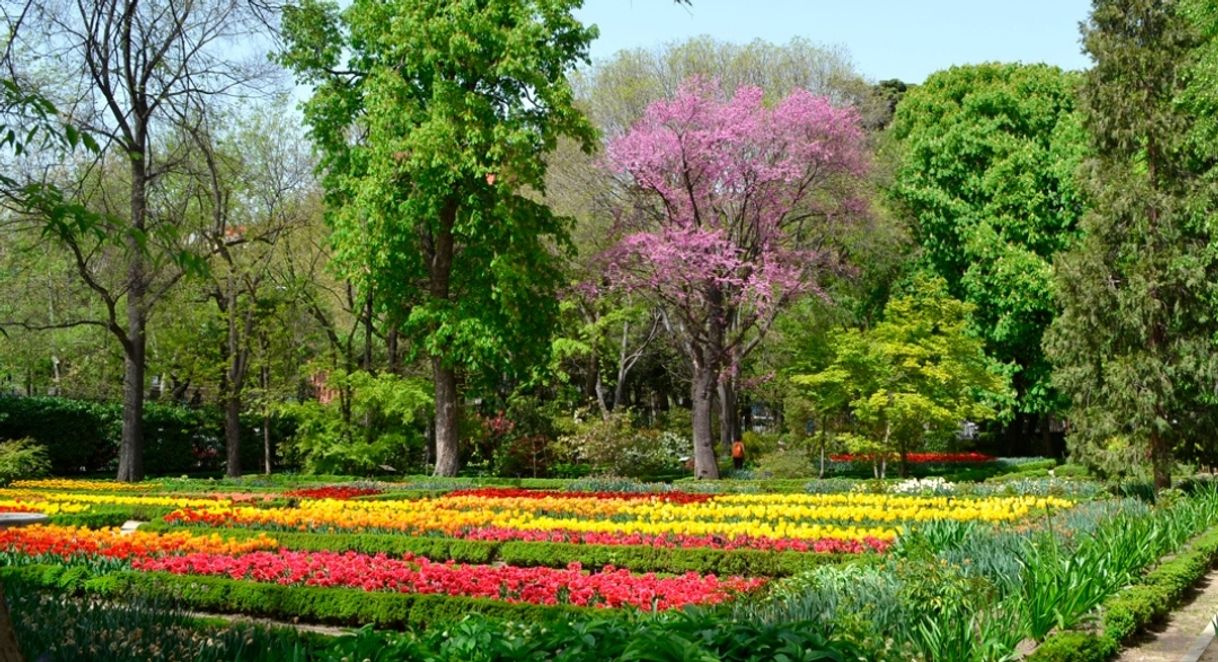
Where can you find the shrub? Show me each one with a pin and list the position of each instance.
(614, 446)
(380, 435)
(22, 458)
(785, 463)
(83, 436)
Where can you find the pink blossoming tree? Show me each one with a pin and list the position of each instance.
(733, 201)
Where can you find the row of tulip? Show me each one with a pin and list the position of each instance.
(971, 457)
(44, 500)
(68, 542)
(608, 587)
(332, 492)
(259, 559)
(750, 520)
(82, 484)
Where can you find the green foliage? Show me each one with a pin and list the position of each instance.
(339, 606)
(22, 458)
(370, 429)
(82, 436)
(52, 626)
(785, 463)
(693, 635)
(1127, 612)
(457, 105)
(913, 377)
(988, 155)
(614, 446)
(1133, 346)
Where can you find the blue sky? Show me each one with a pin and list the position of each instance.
(905, 39)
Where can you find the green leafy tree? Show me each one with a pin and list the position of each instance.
(987, 160)
(1133, 345)
(433, 119)
(912, 378)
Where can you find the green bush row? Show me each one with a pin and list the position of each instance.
(1125, 613)
(749, 562)
(98, 517)
(336, 606)
(82, 436)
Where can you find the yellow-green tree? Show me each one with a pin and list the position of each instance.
(915, 376)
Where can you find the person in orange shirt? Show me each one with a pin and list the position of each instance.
(738, 454)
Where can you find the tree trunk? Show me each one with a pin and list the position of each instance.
(440, 265)
(445, 378)
(131, 449)
(266, 444)
(702, 394)
(232, 432)
(1160, 459)
(729, 420)
(601, 395)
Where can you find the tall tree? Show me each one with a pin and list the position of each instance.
(139, 76)
(733, 200)
(433, 119)
(988, 155)
(1133, 345)
(255, 190)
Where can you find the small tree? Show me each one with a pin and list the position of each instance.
(915, 376)
(733, 198)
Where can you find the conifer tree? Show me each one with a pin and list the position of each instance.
(1133, 346)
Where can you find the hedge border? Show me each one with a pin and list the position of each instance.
(1124, 614)
(638, 558)
(331, 606)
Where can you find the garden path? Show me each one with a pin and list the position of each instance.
(1184, 636)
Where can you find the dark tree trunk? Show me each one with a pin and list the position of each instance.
(702, 395)
(232, 433)
(729, 419)
(391, 348)
(131, 449)
(448, 460)
(1160, 459)
(440, 264)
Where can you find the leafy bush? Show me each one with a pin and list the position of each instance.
(22, 458)
(785, 463)
(376, 435)
(83, 436)
(615, 447)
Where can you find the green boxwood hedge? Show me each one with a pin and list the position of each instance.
(336, 606)
(1127, 612)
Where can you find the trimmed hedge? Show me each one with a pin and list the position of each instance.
(749, 562)
(1124, 614)
(334, 606)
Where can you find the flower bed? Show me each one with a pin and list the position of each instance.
(332, 492)
(547, 586)
(68, 542)
(920, 458)
(769, 521)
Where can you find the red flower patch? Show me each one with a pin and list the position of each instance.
(332, 492)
